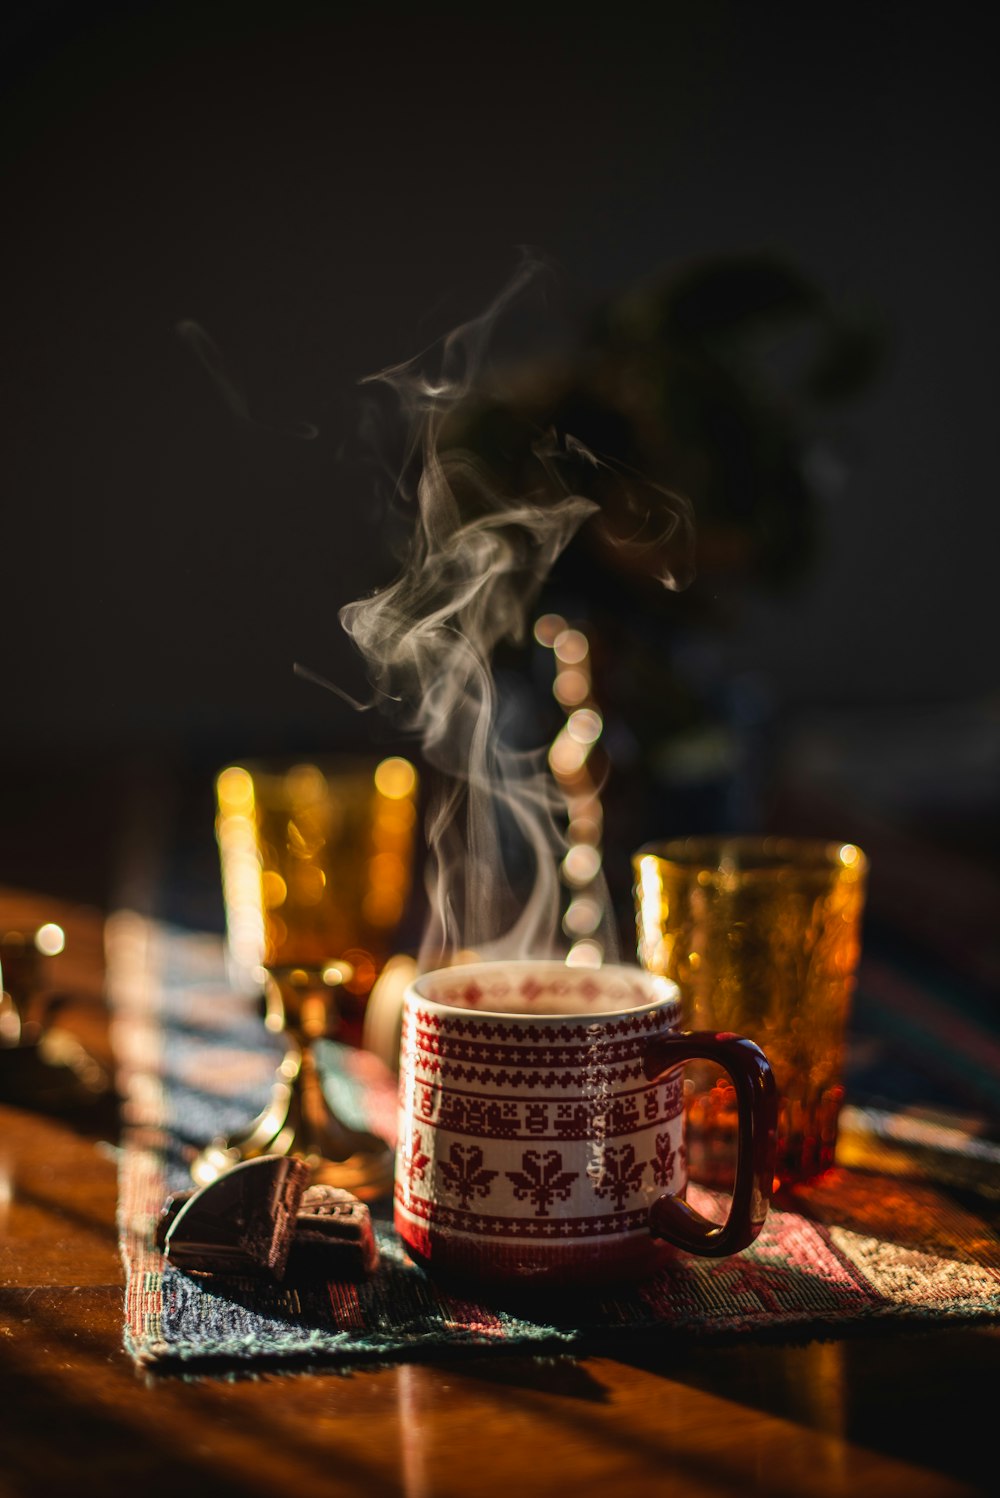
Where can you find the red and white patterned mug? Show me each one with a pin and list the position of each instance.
(542, 1130)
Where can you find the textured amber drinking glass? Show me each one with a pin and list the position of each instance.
(762, 936)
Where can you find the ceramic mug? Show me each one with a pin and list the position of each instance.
(541, 1130)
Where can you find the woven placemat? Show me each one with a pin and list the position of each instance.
(196, 1062)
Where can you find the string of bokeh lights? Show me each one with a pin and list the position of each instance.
(571, 762)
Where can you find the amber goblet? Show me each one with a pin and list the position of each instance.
(317, 861)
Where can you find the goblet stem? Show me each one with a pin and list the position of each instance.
(298, 1119)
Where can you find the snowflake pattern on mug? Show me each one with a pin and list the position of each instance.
(465, 1173)
(542, 1179)
(413, 1161)
(621, 1174)
(664, 1161)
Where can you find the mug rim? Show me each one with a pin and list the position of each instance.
(667, 993)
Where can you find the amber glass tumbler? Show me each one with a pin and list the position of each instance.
(762, 936)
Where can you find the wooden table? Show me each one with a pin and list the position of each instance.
(883, 1412)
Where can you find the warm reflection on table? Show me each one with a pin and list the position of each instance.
(882, 1412)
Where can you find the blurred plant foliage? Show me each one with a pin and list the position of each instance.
(715, 397)
(717, 381)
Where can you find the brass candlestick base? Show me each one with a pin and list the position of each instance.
(43, 1065)
(298, 1120)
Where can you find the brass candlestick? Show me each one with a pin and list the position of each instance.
(317, 865)
(42, 1064)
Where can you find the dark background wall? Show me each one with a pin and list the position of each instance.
(323, 188)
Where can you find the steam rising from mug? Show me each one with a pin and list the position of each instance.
(478, 556)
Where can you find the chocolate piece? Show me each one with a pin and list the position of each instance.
(333, 1233)
(243, 1222)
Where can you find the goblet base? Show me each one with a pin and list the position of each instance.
(298, 1121)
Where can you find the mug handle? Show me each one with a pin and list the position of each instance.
(757, 1108)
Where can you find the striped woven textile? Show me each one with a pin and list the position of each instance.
(876, 1239)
